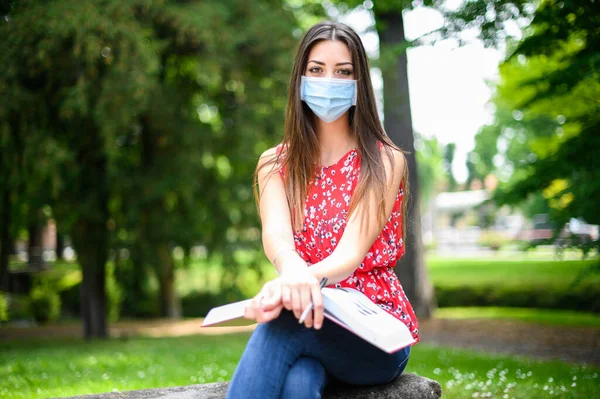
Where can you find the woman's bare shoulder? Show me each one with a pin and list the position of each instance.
(393, 157)
(269, 154)
(269, 157)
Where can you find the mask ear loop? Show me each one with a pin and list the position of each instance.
(355, 96)
(302, 82)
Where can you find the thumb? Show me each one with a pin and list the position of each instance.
(272, 297)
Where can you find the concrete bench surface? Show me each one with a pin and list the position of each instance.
(407, 386)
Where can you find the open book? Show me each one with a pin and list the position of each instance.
(347, 307)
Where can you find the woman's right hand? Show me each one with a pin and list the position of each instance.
(266, 305)
(298, 288)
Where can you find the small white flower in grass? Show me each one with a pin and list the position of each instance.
(550, 379)
(437, 371)
(574, 378)
(574, 384)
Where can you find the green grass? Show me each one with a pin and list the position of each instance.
(517, 272)
(72, 367)
(535, 316)
(469, 374)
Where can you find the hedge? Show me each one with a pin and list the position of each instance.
(583, 297)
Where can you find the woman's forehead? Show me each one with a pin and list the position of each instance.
(330, 52)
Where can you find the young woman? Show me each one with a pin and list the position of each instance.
(332, 198)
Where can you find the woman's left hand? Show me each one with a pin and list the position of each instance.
(299, 287)
(266, 305)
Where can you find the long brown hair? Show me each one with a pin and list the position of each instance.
(300, 142)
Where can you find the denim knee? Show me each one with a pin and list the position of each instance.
(403, 352)
(306, 379)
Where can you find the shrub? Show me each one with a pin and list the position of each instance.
(44, 304)
(114, 295)
(584, 297)
(70, 296)
(493, 240)
(197, 304)
(430, 246)
(3, 307)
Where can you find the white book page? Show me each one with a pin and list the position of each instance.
(363, 310)
(354, 311)
(224, 313)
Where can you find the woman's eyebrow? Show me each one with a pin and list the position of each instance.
(338, 64)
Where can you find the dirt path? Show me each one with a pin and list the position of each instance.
(573, 344)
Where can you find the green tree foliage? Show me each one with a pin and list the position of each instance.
(429, 153)
(145, 119)
(449, 151)
(480, 161)
(547, 114)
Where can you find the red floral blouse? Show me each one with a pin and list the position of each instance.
(325, 214)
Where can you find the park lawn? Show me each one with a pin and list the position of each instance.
(554, 317)
(514, 271)
(43, 369)
(517, 272)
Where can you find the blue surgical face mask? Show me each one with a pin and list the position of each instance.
(328, 98)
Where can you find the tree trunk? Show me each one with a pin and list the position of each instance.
(90, 234)
(398, 124)
(60, 245)
(170, 305)
(90, 242)
(5, 239)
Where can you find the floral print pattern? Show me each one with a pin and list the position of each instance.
(325, 213)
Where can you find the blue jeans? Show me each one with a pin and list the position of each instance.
(284, 359)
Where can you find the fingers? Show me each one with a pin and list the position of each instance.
(305, 295)
(269, 315)
(297, 302)
(251, 307)
(286, 297)
(318, 308)
(273, 295)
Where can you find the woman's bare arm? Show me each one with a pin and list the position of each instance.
(277, 233)
(297, 284)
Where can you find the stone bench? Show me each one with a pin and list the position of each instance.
(407, 386)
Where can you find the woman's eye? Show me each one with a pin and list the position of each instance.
(345, 72)
(314, 70)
